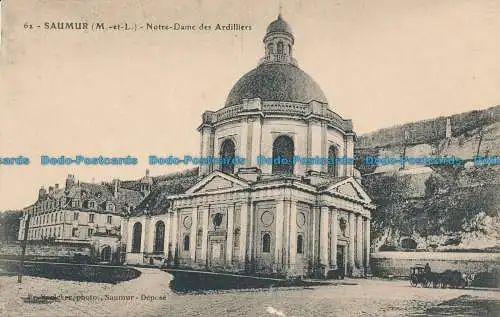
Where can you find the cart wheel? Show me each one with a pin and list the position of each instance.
(413, 281)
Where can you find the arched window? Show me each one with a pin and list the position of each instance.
(266, 243)
(227, 151)
(289, 50)
(136, 237)
(280, 47)
(332, 160)
(300, 244)
(159, 236)
(283, 150)
(186, 242)
(106, 254)
(270, 48)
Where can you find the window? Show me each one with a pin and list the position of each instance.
(74, 232)
(283, 150)
(59, 232)
(52, 218)
(91, 218)
(159, 237)
(270, 48)
(199, 237)
(136, 238)
(280, 47)
(266, 243)
(186, 242)
(75, 216)
(332, 160)
(91, 204)
(227, 152)
(300, 244)
(90, 232)
(109, 218)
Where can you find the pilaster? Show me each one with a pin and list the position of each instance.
(323, 231)
(333, 238)
(230, 233)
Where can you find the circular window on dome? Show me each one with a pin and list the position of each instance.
(301, 219)
(187, 222)
(267, 218)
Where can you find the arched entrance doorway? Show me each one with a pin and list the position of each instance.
(106, 254)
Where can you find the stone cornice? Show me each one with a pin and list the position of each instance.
(276, 109)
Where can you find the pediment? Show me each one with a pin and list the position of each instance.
(350, 188)
(217, 181)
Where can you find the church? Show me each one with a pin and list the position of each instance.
(294, 220)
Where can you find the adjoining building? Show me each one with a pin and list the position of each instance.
(285, 218)
(83, 216)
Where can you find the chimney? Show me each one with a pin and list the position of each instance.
(42, 193)
(147, 173)
(116, 187)
(56, 186)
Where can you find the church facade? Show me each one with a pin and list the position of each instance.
(266, 216)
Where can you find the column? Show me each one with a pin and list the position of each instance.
(243, 231)
(359, 241)
(313, 238)
(293, 233)
(243, 151)
(350, 256)
(130, 234)
(192, 240)
(333, 238)
(367, 242)
(206, 148)
(230, 233)
(251, 233)
(204, 239)
(173, 233)
(166, 239)
(280, 206)
(315, 136)
(255, 130)
(323, 236)
(144, 236)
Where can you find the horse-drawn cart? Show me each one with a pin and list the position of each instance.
(448, 278)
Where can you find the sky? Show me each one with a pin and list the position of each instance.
(116, 93)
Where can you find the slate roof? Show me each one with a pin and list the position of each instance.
(276, 82)
(170, 184)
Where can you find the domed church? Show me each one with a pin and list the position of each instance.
(266, 213)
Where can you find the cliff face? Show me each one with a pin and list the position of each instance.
(440, 206)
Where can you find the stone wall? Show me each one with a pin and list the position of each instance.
(428, 131)
(398, 264)
(45, 250)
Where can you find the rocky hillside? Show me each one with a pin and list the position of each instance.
(440, 206)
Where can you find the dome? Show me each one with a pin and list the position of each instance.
(276, 82)
(279, 25)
